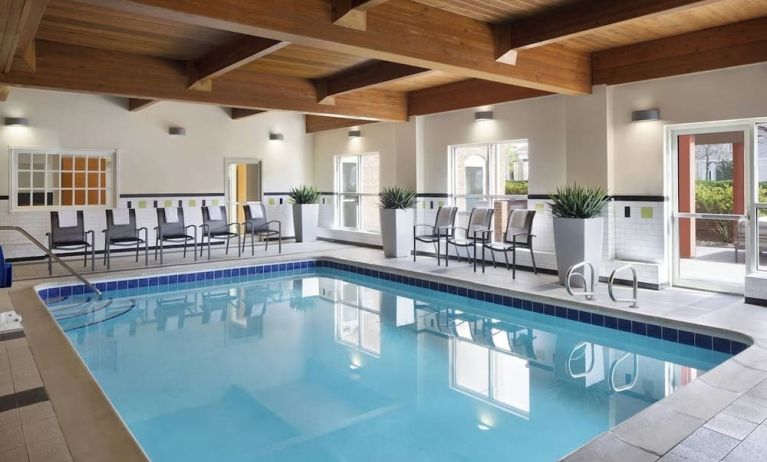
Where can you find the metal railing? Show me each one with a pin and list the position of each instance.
(635, 286)
(588, 286)
(51, 255)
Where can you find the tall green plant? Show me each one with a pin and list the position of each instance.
(304, 195)
(578, 201)
(397, 197)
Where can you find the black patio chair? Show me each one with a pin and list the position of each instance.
(217, 227)
(71, 236)
(174, 231)
(121, 231)
(518, 235)
(257, 224)
(442, 228)
(475, 233)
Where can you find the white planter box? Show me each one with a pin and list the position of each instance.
(396, 232)
(577, 240)
(305, 219)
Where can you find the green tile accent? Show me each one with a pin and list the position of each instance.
(142, 204)
(214, 202)
(647, 213)
(168, 203)
(441, 203)
(192, 203)
(272, 201)
(539, 208)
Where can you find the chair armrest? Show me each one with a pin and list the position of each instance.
(452, 228)
(514, 236)
(93, 236)
(423, 225)
(279, 225)
(146, 233)
(195, 230)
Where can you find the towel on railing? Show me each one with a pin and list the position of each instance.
(255, 211)
(214, 213)
(171, 215)
(121, 217)
(67, 218)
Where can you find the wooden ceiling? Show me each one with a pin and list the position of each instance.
(366, 59)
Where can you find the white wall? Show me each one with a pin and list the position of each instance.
(150, 160)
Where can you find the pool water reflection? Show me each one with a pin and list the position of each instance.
(330, 366)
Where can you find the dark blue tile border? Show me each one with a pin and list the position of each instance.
(702, 341)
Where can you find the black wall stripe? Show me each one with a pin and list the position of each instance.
(133, 195)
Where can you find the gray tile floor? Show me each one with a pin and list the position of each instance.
(721, 416)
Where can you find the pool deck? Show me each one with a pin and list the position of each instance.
(720, 416)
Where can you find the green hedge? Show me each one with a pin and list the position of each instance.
(516, 187)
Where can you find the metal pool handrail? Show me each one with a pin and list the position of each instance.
(52, 255)
(635, 285)
(588, 289)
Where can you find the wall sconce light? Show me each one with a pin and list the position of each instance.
(645, 115)
(16, 122)
(276, 136)
(483, 115)
(355, 134)
(177, 131)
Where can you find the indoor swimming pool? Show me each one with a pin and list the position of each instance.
(320, 361)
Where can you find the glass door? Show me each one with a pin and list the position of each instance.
(710, 221)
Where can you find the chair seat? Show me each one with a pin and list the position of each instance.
(125, 240)
(222, 235)
(429, 237)
(168, 237)
(502, 246)
(466, 241)
(62, 244)
(264, 230)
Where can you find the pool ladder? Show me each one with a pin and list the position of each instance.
(634, 284)
(588, 286)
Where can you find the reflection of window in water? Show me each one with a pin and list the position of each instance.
(491, 375)
(678, 376)
(357, 320)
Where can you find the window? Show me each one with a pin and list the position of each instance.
(52, 178)
(482, 170)
(357, 185)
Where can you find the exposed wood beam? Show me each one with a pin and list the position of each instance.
(465, 94)
(399, 31)
(137, 104)
(239, 113)
(91, 70)
(229, 57)
(20, 20)
(725, 46)
(364, 76)
(352, 13)
(321, 123)
(5, 91)
(577, 18)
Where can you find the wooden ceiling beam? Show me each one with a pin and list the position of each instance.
(316, 123)
(465, 94)
(229, 57)
(238, 113)
(362, 77)
(352, 13)
(5, 92)
(17, 32)
(91, 70)
(715, 48)
(137, 104)
(578, 18)
(400, 31)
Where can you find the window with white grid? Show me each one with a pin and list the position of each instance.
(56, 178)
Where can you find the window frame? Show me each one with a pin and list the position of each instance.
(491, 164)
(13, 170)
(340, 194)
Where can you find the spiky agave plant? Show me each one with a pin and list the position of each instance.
(397, 197)
(578, 201)
(304, 195)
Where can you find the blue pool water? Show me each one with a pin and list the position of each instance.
(324, 365)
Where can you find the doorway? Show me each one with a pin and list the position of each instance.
(243, 185)
(711, 179)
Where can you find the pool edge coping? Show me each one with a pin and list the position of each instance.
(752, 343)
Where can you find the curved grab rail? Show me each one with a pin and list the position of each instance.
(635, 286)
(581, 346)
(635, 374)
(50, 254)
(588, 286)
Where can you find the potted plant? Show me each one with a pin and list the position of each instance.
(578, 227)
(305, 212)
(396, 220)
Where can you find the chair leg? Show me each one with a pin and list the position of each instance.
(161, 252)
(532, 257)
(492, 255)
(252, 244)
(266, 245)
(279, 241)
(107, 257)
(156, 246)
(208, 248)
(93, 256)
(50, 263)
(514, 262)
(106, 245)
(146, 252)
(138, 247)
(414, 244)
(227, 245)
(506, 257)
(85, 256)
